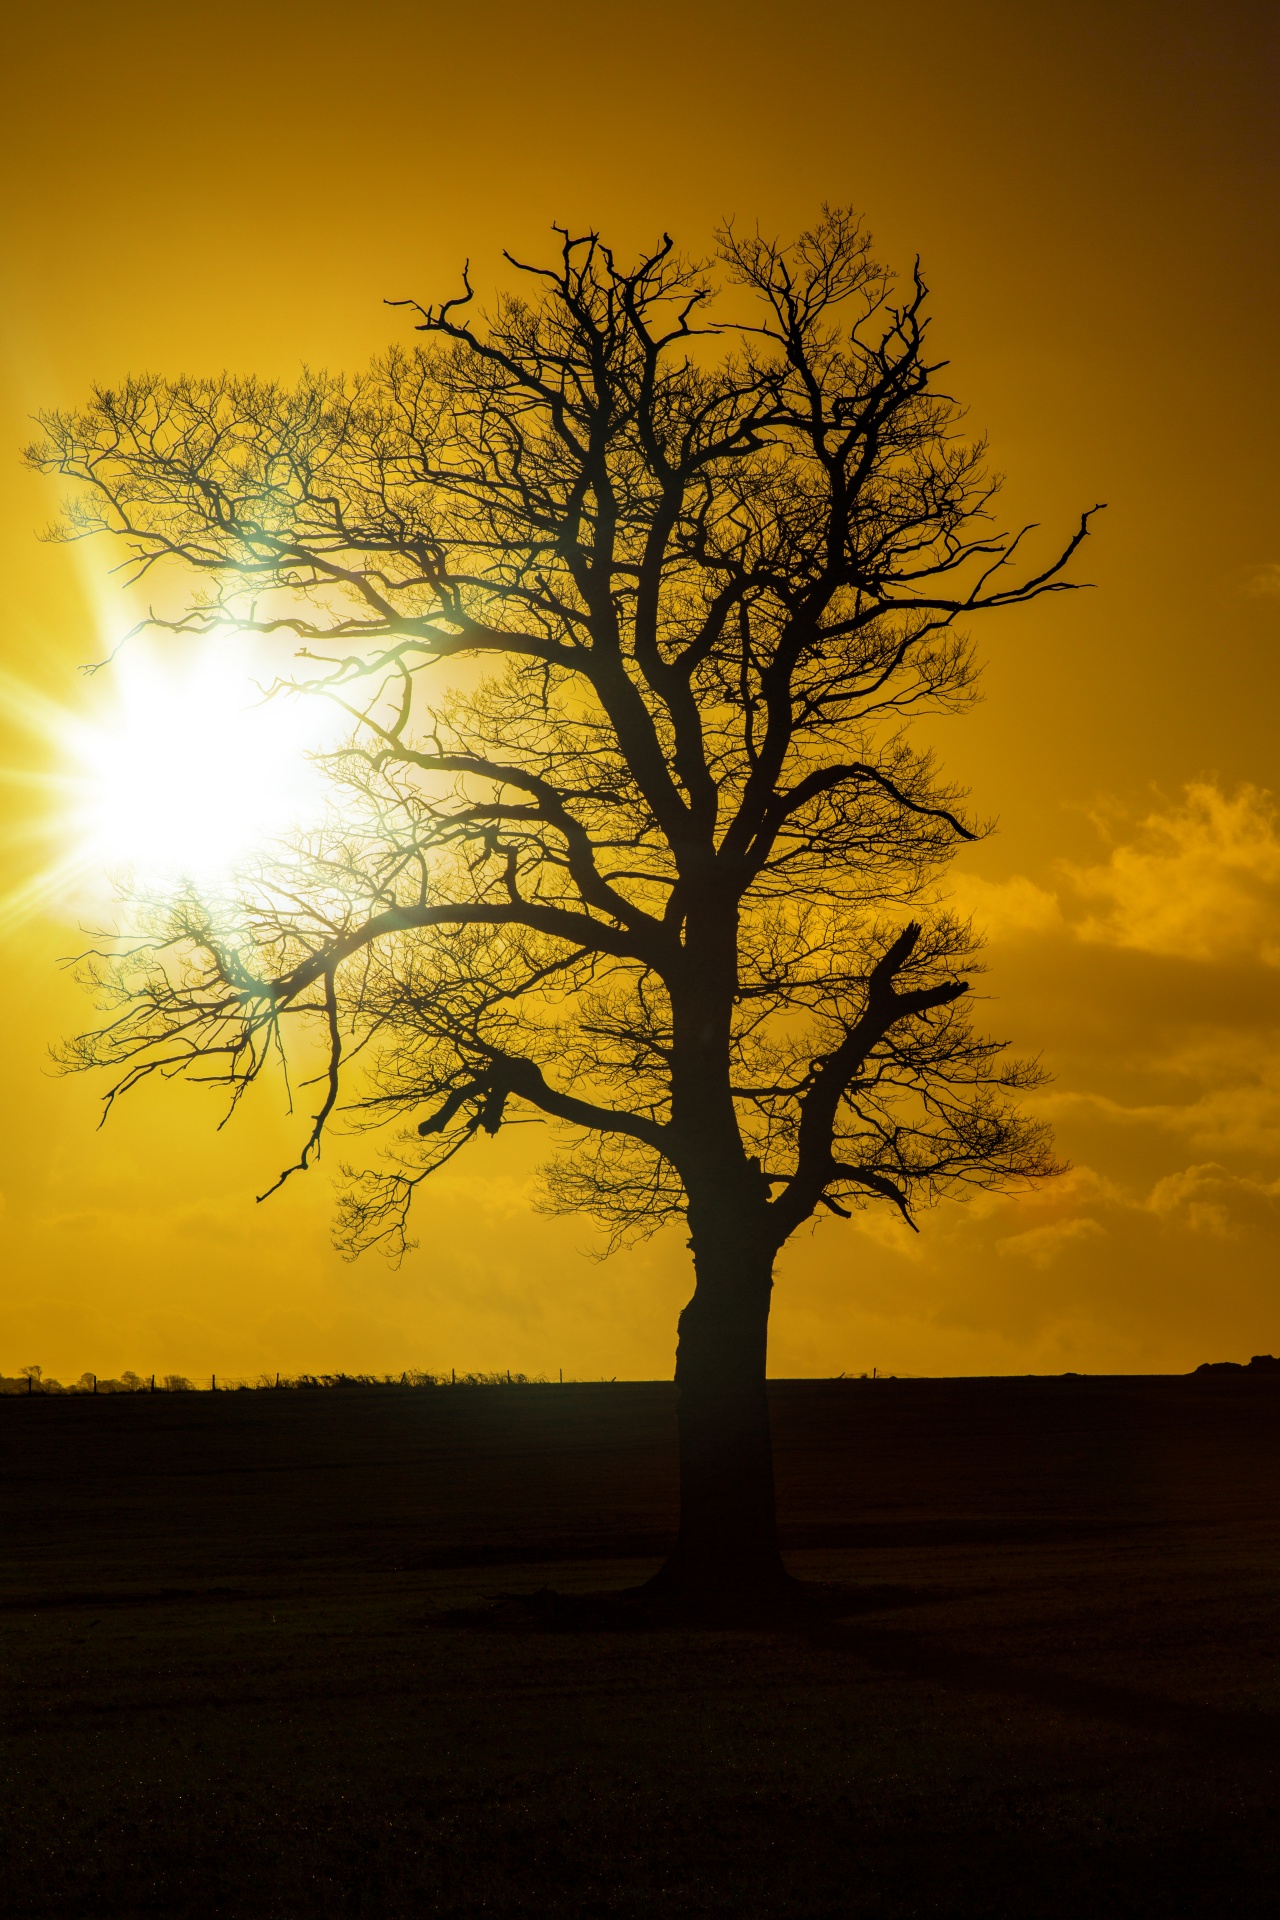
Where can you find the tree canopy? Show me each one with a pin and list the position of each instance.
(631, 592)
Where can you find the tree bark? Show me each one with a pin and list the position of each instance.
(728, 1541)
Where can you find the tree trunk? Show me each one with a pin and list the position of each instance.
(728, 1542)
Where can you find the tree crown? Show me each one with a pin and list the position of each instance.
(641, 864)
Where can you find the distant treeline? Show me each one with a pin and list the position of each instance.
(34, 1380)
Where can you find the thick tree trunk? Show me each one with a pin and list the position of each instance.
(728, 1542)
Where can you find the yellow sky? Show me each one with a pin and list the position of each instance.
(1093, 191)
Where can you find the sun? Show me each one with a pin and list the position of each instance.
(189, 769)
(172, 769)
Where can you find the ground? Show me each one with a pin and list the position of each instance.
(233, 1686)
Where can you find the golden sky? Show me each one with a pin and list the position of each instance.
(1093, 192)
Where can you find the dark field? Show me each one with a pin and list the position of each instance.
(230, 1690)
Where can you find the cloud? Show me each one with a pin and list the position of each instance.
(1237, 1111)
(1264, 582)
(1210, 1199)
(1005, 909)
(1040, 1245)
(1199, 881)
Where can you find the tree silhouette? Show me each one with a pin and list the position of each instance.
(663, 866)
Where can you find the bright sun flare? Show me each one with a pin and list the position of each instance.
(177, 769)
(190, 770)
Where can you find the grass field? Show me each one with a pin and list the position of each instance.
(231, 1688)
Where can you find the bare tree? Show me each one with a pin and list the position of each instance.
(663, 867)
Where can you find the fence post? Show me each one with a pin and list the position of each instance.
(213, 1383)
